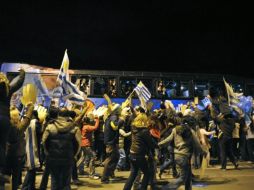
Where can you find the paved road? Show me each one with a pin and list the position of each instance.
(213, 179)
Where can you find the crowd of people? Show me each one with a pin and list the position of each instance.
(122, 138)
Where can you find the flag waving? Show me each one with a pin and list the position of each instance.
(143, 94)
(70, 90)
(64, 69)
(233, 98)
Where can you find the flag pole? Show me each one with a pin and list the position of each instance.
(130, 95)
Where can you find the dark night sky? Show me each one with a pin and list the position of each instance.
(173, 36)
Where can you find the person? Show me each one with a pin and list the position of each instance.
(32, 153)
(51, 117)
(121, 165)
(99, 141)
(204, 141)
(222, 115)
(7, 88)
(154, 125)
(167, 153)
(141, 146)
(91, 123)
(61, 141)
(15, 150)
(111, 140)
(185, 143)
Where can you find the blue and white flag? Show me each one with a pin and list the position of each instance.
(142, 91)
(64, 69)
(206, 102)
(143, 94)
(43, 93)
(70, 90)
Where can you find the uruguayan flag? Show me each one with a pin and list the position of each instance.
(142, 91)
(143, 94)
(43, 93)
(70, 90)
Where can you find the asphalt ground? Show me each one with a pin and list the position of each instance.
(212, 179)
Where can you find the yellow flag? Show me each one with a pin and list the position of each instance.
(29, 94)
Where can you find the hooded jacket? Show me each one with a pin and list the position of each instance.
(142, 141)
(61, 141)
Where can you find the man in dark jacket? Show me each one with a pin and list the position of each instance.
(222, 115)
(111, 139)
(6, 90)
(141, 145)
(61, 141)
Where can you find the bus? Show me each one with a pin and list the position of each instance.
(180, 88)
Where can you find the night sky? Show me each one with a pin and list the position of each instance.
(172, 36)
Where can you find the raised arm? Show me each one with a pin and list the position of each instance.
(17, 82)
(91, 128)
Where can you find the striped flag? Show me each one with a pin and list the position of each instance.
(70, 90)
(143, 94)
(142, 91)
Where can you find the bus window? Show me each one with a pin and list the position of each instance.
(201, 89)
(104, 85)
(172, 88)
(161, 89)
(100, 85)
(184, 90)
(127, 86)
(83, 83)
(166, 88)
(112, 90)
